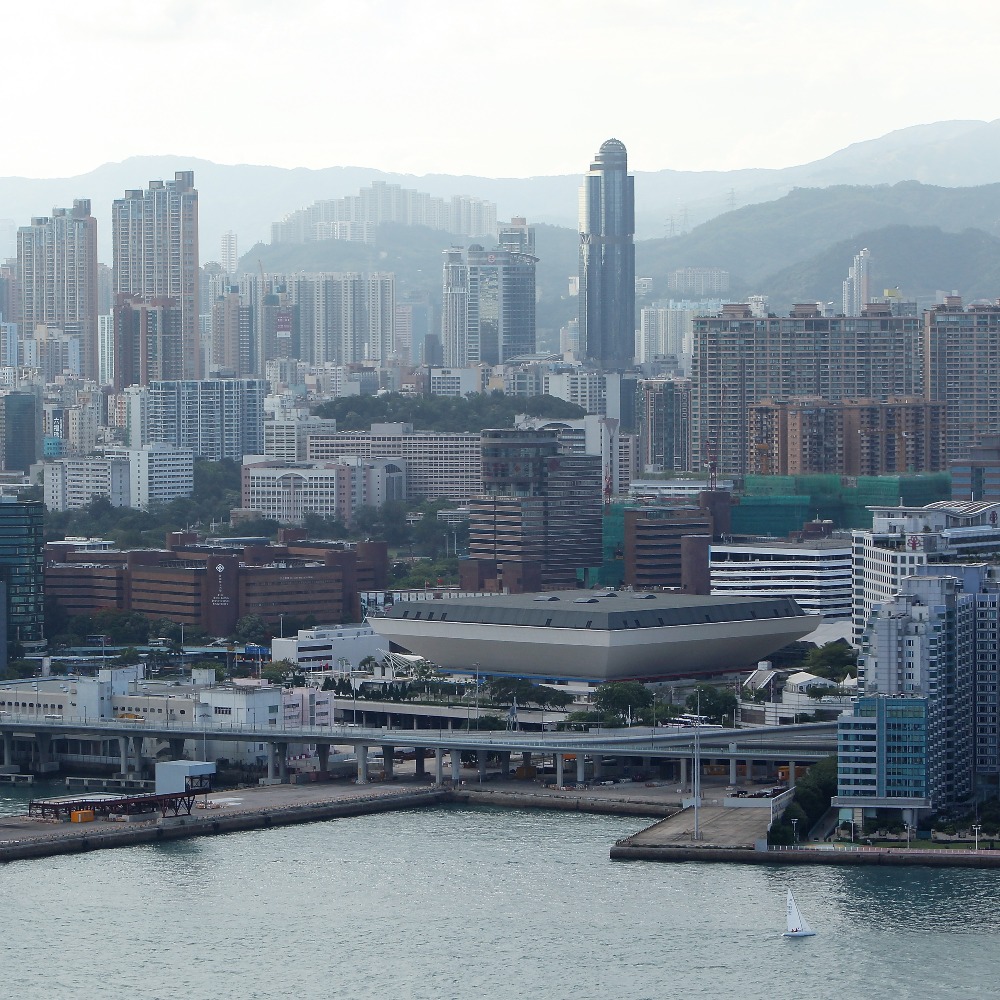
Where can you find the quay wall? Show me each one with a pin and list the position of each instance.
(803, 856)
(529, 800)
(81, 841)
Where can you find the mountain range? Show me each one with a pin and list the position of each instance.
(247, 198)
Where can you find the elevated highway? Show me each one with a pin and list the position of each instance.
(802, 744)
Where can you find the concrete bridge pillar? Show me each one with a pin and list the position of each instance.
(44, 750)
(415, 725)
(581, 768)
(438, 766)
(505, 764)
(419, 768)
(176, 749)
(138, 745)
(732, 770)
(270, 761)
(123, 755)
(481, 762)
(362, 753)
(560, 763)
(8, 749)
(791, 774)
(387, 761)
(684, 772)
(323, 752)
(283, 763)
(456, 766)
(526, 761)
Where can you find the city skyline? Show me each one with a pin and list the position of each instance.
(646, 52)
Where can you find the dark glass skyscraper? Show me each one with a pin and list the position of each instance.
(607, 260)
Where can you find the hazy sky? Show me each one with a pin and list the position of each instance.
(516, 88)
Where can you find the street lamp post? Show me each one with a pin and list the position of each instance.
(908, 829)
(795, 833)
(975, 829)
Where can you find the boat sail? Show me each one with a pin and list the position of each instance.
(798, 926)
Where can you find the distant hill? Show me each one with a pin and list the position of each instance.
(248, 198)
(921, 260)
(757, 241)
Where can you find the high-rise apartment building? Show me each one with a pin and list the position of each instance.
(217, 419)
(20, 430)
(607, 259)
(539, 506)
(229, 252)
(57, 277)
(963, 370)
(155, 250)
(233, 341)
(740, 359)
(856, 293)
(488, 306)
(848, 438)
(664, 416)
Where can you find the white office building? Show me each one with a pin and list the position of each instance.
(815, 574)
(71, 483)
(438, 465)
(339, 648)
(286, 492)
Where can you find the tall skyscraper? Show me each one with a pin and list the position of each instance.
(155, 251)
(607, 259)
(488, 306)
(22, 570)
(57, 277)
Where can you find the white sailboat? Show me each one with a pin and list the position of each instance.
(798, 926)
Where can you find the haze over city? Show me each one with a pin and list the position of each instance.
(517, 89)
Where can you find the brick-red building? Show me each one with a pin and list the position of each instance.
(212, 586)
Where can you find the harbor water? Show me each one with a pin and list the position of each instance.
(484, 903)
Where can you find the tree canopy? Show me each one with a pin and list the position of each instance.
(468, 414)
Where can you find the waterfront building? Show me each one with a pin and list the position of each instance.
(155, 249)
(815, 573)
(595, 636)
(57, 277)
(888, 757)
(607, 260)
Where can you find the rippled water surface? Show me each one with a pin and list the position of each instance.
(481, 903)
